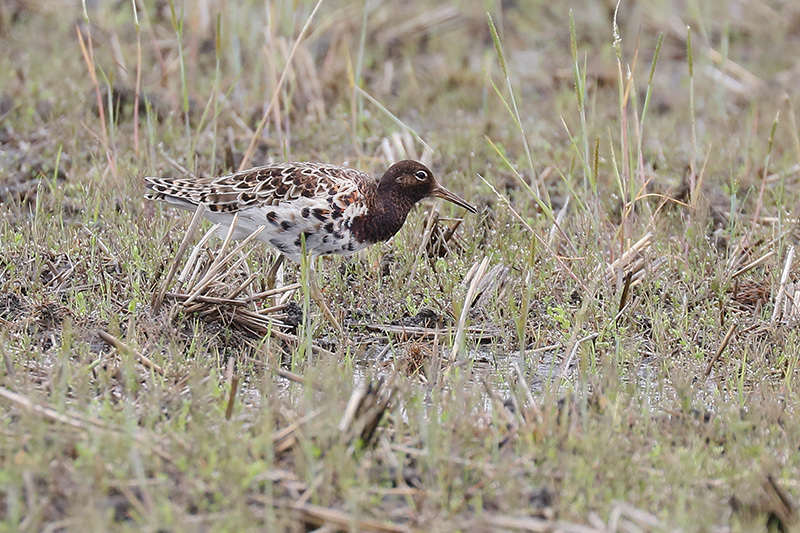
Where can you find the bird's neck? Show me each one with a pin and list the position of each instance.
(385, 215)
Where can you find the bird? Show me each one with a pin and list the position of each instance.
(336, 210)
(321, 208)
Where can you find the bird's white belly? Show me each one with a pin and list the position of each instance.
(287, 225)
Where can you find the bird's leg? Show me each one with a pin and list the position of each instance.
(272, 273)
(316, 294)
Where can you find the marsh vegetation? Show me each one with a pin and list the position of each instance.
(610, 344)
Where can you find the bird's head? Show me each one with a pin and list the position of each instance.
(414, 181)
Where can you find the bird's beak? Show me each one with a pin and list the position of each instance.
(441, 192)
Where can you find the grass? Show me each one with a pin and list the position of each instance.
(609, 345)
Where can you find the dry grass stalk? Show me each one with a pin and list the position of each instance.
(286, 438)
(7, 360)
(791, 307)
(433, 214)
(364, 411)
(76, 421)
(188, 273)
(724, 344)
(630, 269)
(739, 79)
(532, 405)
(492, 283)
(435, 368)
(437, 237)
(753, 264)
(623, 299)
(476, 278)
(631, 257)
(234, 385)
(445, 241)
(87, 49)
(532, 524)
(205, 299)
(158, 298)
(554, 229)
(291, 376)
(124, 348)
(336, 520)
(742, 253)
(781, 504)
(625, 517)
(272, 292)
(352, 406)
(405, 333)
(572, 353)
(747, 81)
(512, 419)
(777, 177)
(288, 337)
(213, 273)
(787, 268)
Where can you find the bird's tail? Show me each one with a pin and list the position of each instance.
(177, 192)
(189, 193)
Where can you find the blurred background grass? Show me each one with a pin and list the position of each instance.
(642, 347)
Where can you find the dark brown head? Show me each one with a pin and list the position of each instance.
(402, 185)
(411, 181)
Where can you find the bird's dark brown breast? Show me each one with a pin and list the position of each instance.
(386, 214)
(377, 226)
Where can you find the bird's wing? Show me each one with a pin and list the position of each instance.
(268, 185)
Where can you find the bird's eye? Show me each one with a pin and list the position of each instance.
(421, 175)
